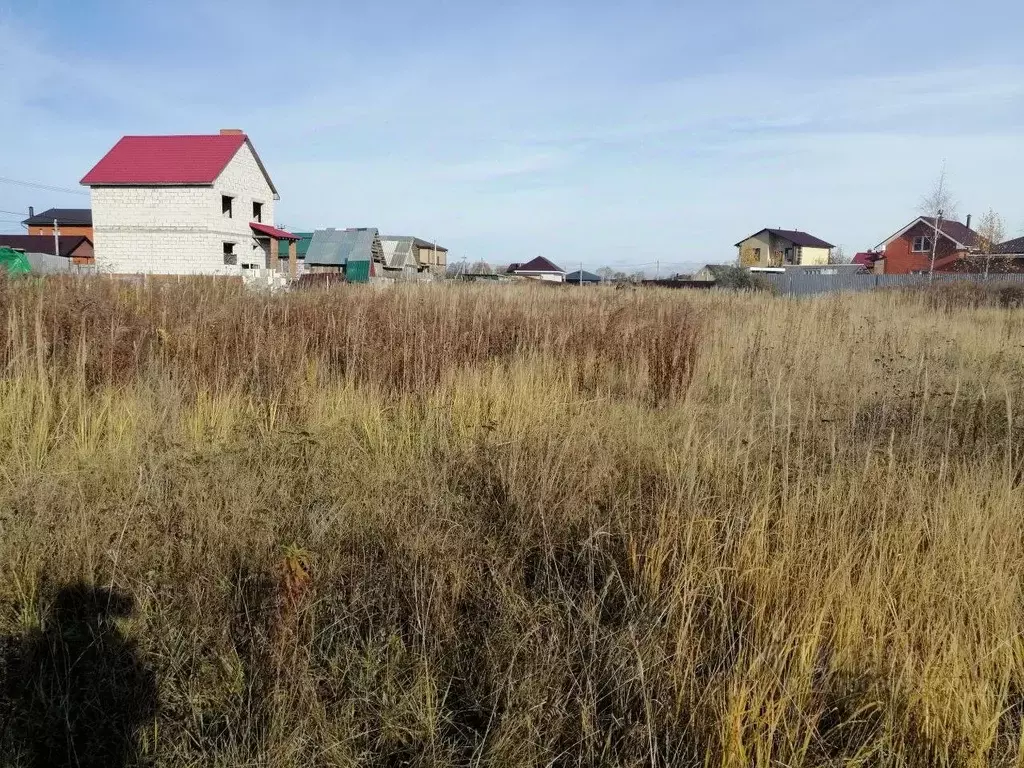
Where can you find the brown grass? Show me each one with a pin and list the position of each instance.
(479, 525)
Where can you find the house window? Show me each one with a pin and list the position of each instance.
(226, 202)
(757, 254)
(788, 255)
(922, 245)
(230, 257)
(257, 212)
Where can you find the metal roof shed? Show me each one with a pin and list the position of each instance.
(353, 250)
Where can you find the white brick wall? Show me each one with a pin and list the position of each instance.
(181, 230)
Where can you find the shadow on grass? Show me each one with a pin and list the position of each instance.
(77, 693)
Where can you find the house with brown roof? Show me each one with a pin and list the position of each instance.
(909, 250)
(538, 269)
(782, 248)
(1003, 258)
(186, 205)
(76, 249)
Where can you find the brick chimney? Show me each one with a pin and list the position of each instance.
(232, 132)
(31, 212)
(968, 221)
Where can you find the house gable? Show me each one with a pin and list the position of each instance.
(962, 236)
(901, 258)
(249, 157)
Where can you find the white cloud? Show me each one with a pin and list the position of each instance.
(500, 153)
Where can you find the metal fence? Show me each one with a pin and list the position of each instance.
(48, 264)
(808, 284)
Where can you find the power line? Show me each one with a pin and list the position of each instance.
(46, 187)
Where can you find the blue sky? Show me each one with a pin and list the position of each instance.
(608, 134)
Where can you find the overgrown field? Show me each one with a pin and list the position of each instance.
(508, 526)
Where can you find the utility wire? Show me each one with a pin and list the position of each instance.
(46, 187)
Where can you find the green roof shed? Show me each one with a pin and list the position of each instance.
(14, 262)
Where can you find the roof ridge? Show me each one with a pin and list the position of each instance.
(184, 135)
(178, 159)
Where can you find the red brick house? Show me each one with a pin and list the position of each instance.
(909, 250)
(70, 222)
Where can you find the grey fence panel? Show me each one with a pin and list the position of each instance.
(48, 264)
(809, 284)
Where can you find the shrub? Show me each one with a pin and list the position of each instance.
(740, 279)
(965, 294)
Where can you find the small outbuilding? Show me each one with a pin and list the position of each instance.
(711, 272)
(351, 252)
(582, 277)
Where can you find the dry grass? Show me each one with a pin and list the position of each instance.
(515, 527)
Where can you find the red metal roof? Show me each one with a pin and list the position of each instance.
(165, 160)
(866, 258)
(274, 232)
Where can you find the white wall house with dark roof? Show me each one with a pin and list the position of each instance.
(539, 268)
(182, 205)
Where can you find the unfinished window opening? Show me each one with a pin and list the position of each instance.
(226, 204)
(922, 245)
(257, 212)
(230, 257)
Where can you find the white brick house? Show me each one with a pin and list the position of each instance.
(184, 205)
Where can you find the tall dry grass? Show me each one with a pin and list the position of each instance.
(478, 525)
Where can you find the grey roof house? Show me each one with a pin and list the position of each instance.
(400, 254)
(352, 252)
(582, 277)
(402, 251)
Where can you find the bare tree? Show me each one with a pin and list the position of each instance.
(481, 268)
(940, 204)
(939, 199)
(607, 274)
(991, 232)
(838, 256)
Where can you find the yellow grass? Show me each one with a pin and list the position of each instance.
(517, 527)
